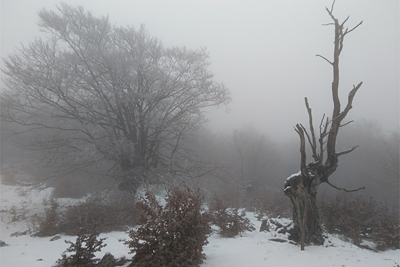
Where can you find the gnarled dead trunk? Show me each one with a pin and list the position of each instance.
(302, 191)
(302, 187)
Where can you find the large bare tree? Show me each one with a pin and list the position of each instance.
(302, 187)
(92, 92)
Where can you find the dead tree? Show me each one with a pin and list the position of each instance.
(302, 187)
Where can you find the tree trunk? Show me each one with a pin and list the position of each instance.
(302, 191)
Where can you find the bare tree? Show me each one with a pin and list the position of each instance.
(302, 187)
(253, 159)
(93, 92)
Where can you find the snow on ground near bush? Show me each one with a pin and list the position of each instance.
(250, 249)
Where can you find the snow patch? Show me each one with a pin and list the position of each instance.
(293, 176)
(250, 249)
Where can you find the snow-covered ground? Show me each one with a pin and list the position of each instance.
(251, 249)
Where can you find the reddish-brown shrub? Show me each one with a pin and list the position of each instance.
(229, 221)
(358, 219)
(173, 235)
(268, 202)
(107, 211)
(86, 244)
(386, 232)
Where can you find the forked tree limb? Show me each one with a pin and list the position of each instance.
(352, 93)
(337, 115)
(349, 31)
(329, 130)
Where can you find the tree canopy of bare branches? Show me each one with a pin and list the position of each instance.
(92, 91)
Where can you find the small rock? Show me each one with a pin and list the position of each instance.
(121, 261)
(280, 240)
(16, 234)
(264, 226)
(56, 237)
(107, 261)
(2, 243)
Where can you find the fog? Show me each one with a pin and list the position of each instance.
(264, 52)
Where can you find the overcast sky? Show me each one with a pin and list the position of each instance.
(264, 52)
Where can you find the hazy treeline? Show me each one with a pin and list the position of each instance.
(244, 161)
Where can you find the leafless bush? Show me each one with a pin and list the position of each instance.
(173, 235)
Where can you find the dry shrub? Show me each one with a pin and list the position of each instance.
(386, 231)
(268, 202)
(358, 219)
(81, 253)
(69, 188)
(108, 212)
(230, 194)
(8, 176)
(173, 235)
(230, 222)
(50, 222)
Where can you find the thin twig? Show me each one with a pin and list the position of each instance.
(342, 125)
(344, 189)
(325, 59)
(346, 151)
(333, 4)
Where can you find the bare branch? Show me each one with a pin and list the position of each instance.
(312, 141)
(331, 15)
(333, 4)
(328, 24)
(355, 27)
(342, 125)
(344, 189)
(322, 134)
(341, 25)
(346, 151)
(303, 166)
(324, 58)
